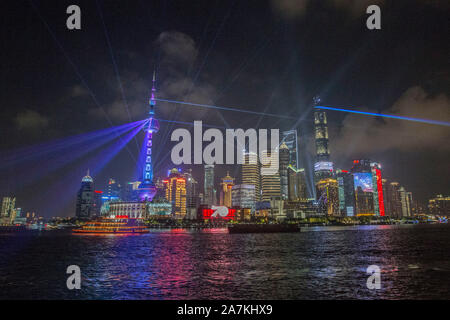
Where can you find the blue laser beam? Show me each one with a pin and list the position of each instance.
(437, 122)
(227, 109)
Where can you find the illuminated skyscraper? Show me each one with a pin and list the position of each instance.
(176, 193)
(113, 191)
(225, 194)
(209, 197)
(329, 196)
(346, 193)
(243, 196)
(323, 167)
(395, 208)
(8, 206)
(404, 202)
(85, 198)
(364, 188)
(192, 200)
(270, 183)
(290, 139)
(147, 188)
(386, 197)
(439, 205)
(378, 196)
(296, 184)
(284, 163)
(410, 203)
(251, 174)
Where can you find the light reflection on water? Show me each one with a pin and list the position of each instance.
(317, 263)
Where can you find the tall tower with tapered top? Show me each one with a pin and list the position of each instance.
(323, 167)
(147, 188)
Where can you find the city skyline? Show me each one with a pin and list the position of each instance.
(77, 100)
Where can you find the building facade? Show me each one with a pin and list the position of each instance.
(176, 193)
(251, 173)
(243, 196)
(323, 167)
(297, 190)
(284, 155)
(225, 193)
(85, 198)
(439, 205)
(270, 183)
(346, 193)
(209, 193)
(289, 138)
(328, 197)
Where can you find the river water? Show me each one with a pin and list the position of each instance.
(317, 263)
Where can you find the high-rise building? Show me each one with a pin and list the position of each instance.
(296, 184)
(147, 188)
(328, 196)
(243, 196)
(130, 191)
(192, 199)
(97, 203)
(364, 189)
(323, 167)
(176, 193)
(113, 191)
(404, 202)
(395, 208)
(439, 205)
(85, 198)
(8, 206)
(225, 194)
(378, 195)
(346, 193)
(386, 197)
(284, 154)
(251, 173)
(208, 186)
(270, 183)
(289, 138)
(410, 203)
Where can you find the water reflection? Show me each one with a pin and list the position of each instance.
(326, 263)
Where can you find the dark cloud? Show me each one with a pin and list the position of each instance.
(30, 120)
(78, 91)
(360, 135)
(290, 9)
(178, 51)
(293, 9)
(355, 7)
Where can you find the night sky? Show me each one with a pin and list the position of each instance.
(272, 56)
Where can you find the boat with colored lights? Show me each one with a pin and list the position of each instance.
(117, 225)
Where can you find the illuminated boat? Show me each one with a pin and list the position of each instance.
(116, 225)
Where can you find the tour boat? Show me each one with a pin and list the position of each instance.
(116, 225)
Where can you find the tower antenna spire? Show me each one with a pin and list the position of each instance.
(147, 187)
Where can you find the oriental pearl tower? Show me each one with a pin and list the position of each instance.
(147, 188)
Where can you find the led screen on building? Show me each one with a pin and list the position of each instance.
(364, 181)
(217, 214)
(323, 165)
